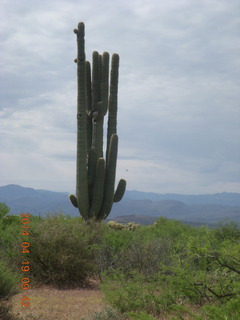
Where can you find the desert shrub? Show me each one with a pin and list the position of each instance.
(63, 250)
(116, 225)
(227, 311)
(145, 257)
(111, 248)
(117, 244)
(164, 270)
(10, 239)
(8, 281)
(174, 229)
(120, 226)
(227, 231)
(5, 218)
(135, 294)
(143, 250)
(4, 210)
(140, 316)
(108, 314)
(133, 226)
(215, 265)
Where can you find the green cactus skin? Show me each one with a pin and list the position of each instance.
(89, 105)
(112, 104)
(99, 130)
(73, 200)
(120, 190)
(110, 178)
(98, 188)
(95, 80)
(82, 181)
(96, 98)
(92, 167)
(105, 81)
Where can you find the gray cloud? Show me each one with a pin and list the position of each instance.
(178, 91)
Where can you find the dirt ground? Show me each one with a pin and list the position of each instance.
(47, 303)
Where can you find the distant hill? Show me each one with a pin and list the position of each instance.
(224, 198)
(203, 209)
(21, 199)
(172, 209)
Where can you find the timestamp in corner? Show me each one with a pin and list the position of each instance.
(25, 265)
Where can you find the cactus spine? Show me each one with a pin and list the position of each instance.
(96, 98)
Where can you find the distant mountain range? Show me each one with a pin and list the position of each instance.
(140, 207)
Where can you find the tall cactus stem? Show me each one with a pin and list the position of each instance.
(92, 163)
(95, 80)
(110, 178)
(99, 130)
(105, 81)
(82, 183)
(113, 105)
(98, 188)
(89, 104)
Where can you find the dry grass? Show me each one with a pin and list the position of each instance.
(48, 303)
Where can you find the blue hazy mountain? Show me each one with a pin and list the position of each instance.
(206, 209)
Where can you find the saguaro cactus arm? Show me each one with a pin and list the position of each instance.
(120, 190)
(112, 103)
(110, 178)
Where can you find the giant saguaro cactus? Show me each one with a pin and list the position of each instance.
(96, 98)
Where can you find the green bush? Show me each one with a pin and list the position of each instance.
(108, 314)
(8, 281)
(111, 248)
(227, 231)
(10, 240)
(215, 265)
(5, 218)
(62, 251)
(140, 316)
(9, 234)
(4, 210)
(146, 257)
(169, 267)
(226, 311)
(136, 294)
(142, 250)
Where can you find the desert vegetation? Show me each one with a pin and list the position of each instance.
(167, 270)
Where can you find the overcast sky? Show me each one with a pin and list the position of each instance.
(179, 91)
